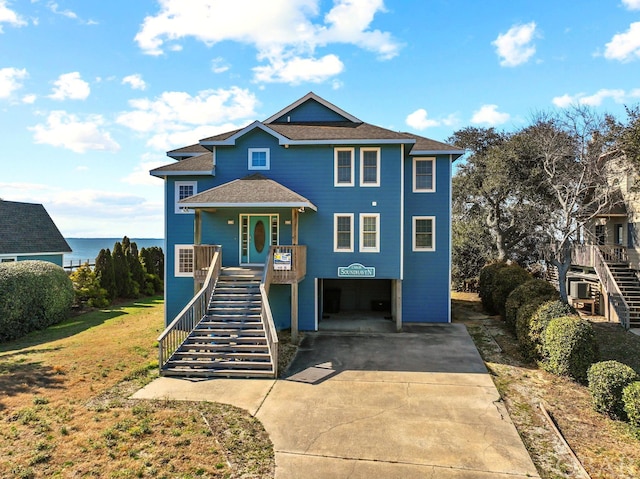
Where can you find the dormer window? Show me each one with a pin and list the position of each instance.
(259, 159)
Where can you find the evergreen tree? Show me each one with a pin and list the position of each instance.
(153, 261)
(124, 284)
(105, 272)
(138, 274)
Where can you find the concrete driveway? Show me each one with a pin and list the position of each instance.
(418, 404)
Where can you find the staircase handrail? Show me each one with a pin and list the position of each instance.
(265, 313)
(175, 334)
(614, 295)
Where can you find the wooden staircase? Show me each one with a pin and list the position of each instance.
(629, 285)
(230, 340)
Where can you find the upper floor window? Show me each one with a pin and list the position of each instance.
(184, 189)
(8, 259)
(343, 232)
(184, 260)
(343, 170)
(369, 232)
(369, 166)
(424, 175)
(424, 233)
(259, 159)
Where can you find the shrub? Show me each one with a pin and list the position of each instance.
(87, 288)
(540, 320)
(631, 402)
(570, 347)
(525, 293)
(33, 295)
(607, 379)
(525, 314)
(506, 280)
(485, 285)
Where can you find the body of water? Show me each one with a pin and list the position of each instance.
(88, 248)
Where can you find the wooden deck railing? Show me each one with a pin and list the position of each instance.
(202, 256)
(175, 334)
(288, 264)
(596, 256)
(267, 317)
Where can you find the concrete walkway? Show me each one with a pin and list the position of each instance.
(407, 405)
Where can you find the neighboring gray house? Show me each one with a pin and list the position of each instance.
(27, 232)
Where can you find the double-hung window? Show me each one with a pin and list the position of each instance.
(369, 166)
(424, 233)
(424, 175)
(343, 232)
(369, 232)
(184, 260)
(259, 159)
(184, 189)
(343, 167)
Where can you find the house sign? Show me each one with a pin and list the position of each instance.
(356, 270)
(282, 261)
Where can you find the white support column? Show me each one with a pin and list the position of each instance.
(397, 297)
(294, 312)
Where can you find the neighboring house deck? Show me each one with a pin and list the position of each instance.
(27, 232)
(308, 216)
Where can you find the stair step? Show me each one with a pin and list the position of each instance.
(227, 348)
(227, 325)
(209, 364)
(229, 355)
(226, 340)
(210, 373)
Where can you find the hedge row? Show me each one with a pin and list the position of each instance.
(33, 295)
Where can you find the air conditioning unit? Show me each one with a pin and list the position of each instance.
(579, 289)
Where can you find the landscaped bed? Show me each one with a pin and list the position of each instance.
(64, 410)
(605, 448)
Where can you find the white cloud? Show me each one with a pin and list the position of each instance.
(297, 70)
(70, 86)
(617, 95)
(10, 80)
(9, 16)
(140, 174)
(282, 31)
(54, 7)
(135, 81)
(515, 47)
(29, 99)
(419, 120)
(218, 65)
(624, 46)
(631, 4)
(66, 130)
(171, 116)
(489, 115)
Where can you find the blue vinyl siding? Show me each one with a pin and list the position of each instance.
(52, 258)
(310, 111)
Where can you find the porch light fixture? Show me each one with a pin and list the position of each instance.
(230, 222)
(301, 210)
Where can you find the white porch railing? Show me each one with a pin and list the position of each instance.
(267, 317)
(176, 333)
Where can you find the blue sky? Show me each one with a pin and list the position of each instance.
(93, 93)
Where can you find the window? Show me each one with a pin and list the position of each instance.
(369, 232)
(343, 236)
(259, 159)
(343, 175)
(424, 233)
(8, 259)
(184, 260)
(184, 189)
(369, 166)
(424, 175)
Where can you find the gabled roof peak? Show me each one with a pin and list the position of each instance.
(322, 101)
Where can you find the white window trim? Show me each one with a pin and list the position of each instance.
(178, 209)
(433, 176)
(376, 248)
(377, 182)
(8, 259)
(258, 150)
(335, 167)
(335, 233)
(177, 273)
(433, 233)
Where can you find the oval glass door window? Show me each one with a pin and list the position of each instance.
(259, 236)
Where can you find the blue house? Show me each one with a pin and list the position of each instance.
(326, 217)
(27, 232)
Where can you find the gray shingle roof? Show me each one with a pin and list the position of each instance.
(187, 151)
(254, 190)
(27, 228)
(199, 164)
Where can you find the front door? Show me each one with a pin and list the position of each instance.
(259, 238)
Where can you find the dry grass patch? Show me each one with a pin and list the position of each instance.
(606, 448)
(64, 411)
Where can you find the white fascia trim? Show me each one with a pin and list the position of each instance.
(183, 173)
(322, 101)
(176, 156)
(311, 206)
(282, 140)
(349, 142)
(12, 255)
(402, 225)
(437, 152)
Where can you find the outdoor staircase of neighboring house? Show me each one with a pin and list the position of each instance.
(629, 285)
(230, 339)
